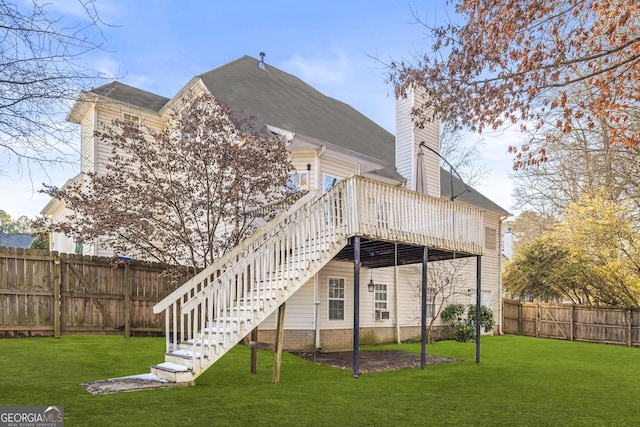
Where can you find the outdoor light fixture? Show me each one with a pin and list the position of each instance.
(371, 286)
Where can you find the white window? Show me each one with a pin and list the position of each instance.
(131, 120)
(332, 207)
(485, 298)
(298, 181)
(490, 238)
(431, 302)
(336, 298)
(328, 182)
(380, 297)
(381, 301)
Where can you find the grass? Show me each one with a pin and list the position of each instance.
(521, 381)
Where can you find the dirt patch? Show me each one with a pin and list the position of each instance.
(373, 361)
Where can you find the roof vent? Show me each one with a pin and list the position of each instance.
(262, 54)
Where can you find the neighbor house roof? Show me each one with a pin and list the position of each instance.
(16, 240)
(280, 99)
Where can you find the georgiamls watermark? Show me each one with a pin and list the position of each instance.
(31, 416)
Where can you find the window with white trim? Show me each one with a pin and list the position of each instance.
(380, 300)
(298, 181)
(490, 238)
(131, 120)
(328, 182)
(485, 298)
(336, 298)
(431, 302)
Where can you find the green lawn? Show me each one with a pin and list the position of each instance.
(521, 381)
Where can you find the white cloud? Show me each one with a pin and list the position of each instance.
(334, 69)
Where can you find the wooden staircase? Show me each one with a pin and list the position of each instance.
(216, 309)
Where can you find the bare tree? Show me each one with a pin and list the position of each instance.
(464, 156)
(445, 283)
(40, 73)
(184, 195)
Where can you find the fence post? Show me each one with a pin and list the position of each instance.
(538, 321)
(57, 285)
(519, 318)
(127, 300)
(573, 321)
(630, 328)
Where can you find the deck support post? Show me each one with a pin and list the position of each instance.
(356, 306)
(254, 351)
(277, 355)
(423, 310)
(478, 304)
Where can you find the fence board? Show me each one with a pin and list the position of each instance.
(46, 293)
(572, 322)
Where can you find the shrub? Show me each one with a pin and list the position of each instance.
(463, 328)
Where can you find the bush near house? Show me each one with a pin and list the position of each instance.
(463, 328)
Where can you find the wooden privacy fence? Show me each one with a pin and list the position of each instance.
(49, 294)
(572, 322)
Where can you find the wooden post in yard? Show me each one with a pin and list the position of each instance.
(630, 328)
(254, 350)
(57, 285)
(277, 356)
(573, 321)
(127, 300)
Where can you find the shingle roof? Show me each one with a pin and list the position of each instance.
(274, 97)
(474, 197)
(131, 95)
(280, 99)
(16, 240)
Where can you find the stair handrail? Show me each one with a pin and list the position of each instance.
(270, 227)
(347, 185)
(216, 297)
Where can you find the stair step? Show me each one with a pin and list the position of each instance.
(215, 330)
(244, 308)
(171, 367)
(230, 319)
(184, 354)
(173, 372)
(185, 345)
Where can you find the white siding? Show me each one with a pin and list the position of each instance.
(87, 144)
(300, 160)
(405, 158)
(107, 112)
(59, 241)
(337, 167)
(409, 137)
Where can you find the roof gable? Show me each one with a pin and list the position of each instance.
(277, 98)
(131, 95)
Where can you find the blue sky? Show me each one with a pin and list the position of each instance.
(160, 45)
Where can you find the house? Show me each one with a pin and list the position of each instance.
(16, 240)
(360, 224)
